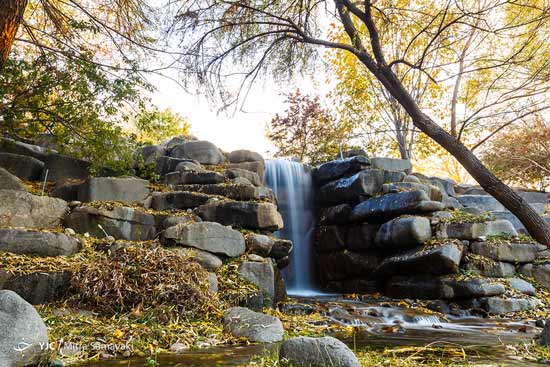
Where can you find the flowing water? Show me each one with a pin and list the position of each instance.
(293, 187)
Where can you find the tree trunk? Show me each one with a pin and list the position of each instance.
(533, 222)
(11, 15)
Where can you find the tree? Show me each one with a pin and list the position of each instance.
(155, 126)
(11, 14)
(275, 35)
(306, 131)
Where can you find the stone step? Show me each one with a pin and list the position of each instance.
(23, 209)
(38, 243)
(242, 214)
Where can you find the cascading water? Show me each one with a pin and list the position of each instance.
(293, 187)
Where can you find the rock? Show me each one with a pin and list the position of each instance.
(23, 332)
(545, 336)
(489, 268)
(501, 306)
(175, 141)
(506, 215)
(23, 209)
(255, 258)
(66, 189)
(8, 145)
(38, 243)
(10, 182)
(120, 222)
(361, 237)
(128, 190)
(483, 202)
(178, 200)
(231, 191)
(22, 166)
(178, 348)
(235, 173)
(357, 285)
(541, 273)
(256, 167)
(213, 282)
(149, 154)
(446, 184)
(192, 178)
(239, 156)
(166, 164)
(352, 153)
(263, 276)
(330, 238)
(352, 189)
(522, 286)
(281, 248)
(533, 197)
(242, 214)
(411, 178)
(507, 251)
(347, 264)
(174, 220)
(433, 192)
(337, 169)
(393, 205)
(61, 167)
(38, 288)
(476, 231)
(207, 236)
(202, 151)
(417, 287)
(255, 326)
(404, 232)
(305, 351)
(338, 214)
(259, 244)
(436, 260)
(392, 177)
(391, 164)
(474, 288)
(189, 166)
(207, 260)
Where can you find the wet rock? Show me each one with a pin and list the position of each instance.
(38, 288)
(522, 286)
(436, 260)
(253, 177)
(202, 151)
(23, 209)
(338, 214)
(418, 287)
(255, 326)
(124, 189)
(242, 214)
(207, 260)
(317, 352)
(361, 237)
(476, 231)
(281, 248)
(351, 189)
(330, 238)
(194, 178)
(392, 164)
(239, 156)
(120, 222)
(483, 202)
(232, 191)
(263, 276)
(23, 332)
(404, 232)
(515, 252)
(337, 169)
(207, 236)
(22, 166)
(296, 309)
(356, 285)
(347, 264)
(10, 182)
(541, 273)
(489, 268)
(61, 167)
(393, 205)
(502, 306)
(38, 243)
(178, 200)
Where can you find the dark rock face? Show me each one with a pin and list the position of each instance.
(436, 260)
(545, 336)
(39, 288)
(165, 165)
(207, 236)
(38, 243)
(22, 209)
(352, 189)
(242, 192)
(361, 237)
(120, 222)
(316, 352)
(253, 177)
(330, 238)
(509, 252)
(280, 249)
(124, 189)
(191, 178)
(22, 166)
(178, 200)
(393, 205)
(334, 170)
(256, 167)
(10, 182)
(404, 232)
(502, 305)
(242, 214)
(22, 325)
(347, 264)
(202, 151)
(338, 214)
(61, 167)
(255, 326)
(66, 190)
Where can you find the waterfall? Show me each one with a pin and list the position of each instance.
(293, 187)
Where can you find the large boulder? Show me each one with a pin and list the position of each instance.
(338, 214)
(10, 182)
(483, 202)
(124, 189)
(514, 252)
(239, 156)
(305, 351)
(252, 177)
(23, 209)
(206, 259)
(503, 305)
(38, 288)
(202, 151)
(404, 232)
(391, 164)
(435, 260)
(207, 236)
(393, 205)
(61, 167)
(249, 215)
(255, 326)
(22, 166)
(347, 264)
(8, 145)
(476, 231)
(352, 189)
(120, 222)
(362, 236)
(243, 192)
(433, 192)
(540, 272)
(194, 178)
(256, 167)
(165, 165)
(331, 238)
(489, 268)
(178, 200)
(38, 243)
(263, 275)
(23, 333)
(334, 170)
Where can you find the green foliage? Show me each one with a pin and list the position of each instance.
(155, 126)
